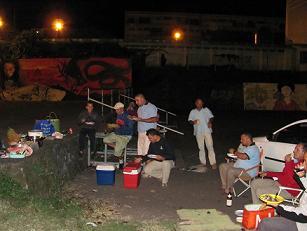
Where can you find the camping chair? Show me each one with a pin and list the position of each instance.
(245, 181)
(295, 200)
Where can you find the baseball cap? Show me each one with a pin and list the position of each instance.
(119, 105)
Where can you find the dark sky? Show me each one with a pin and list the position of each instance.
(108, 15)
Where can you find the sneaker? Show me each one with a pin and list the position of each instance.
(164, 185)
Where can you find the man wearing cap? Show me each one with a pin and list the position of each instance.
(123, 131)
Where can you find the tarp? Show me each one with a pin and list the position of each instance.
(76, 75)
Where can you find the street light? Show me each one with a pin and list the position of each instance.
(58, 25)
(1, 23)
(177, 35)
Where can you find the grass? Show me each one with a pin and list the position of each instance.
(22, 210)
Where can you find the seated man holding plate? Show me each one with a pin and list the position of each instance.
(160, 158)
(247, 157)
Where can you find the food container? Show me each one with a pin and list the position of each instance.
(252, 215)
(105, 174)
(132, 175)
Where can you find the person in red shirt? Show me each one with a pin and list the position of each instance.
(285, 178)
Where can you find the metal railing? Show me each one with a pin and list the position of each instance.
(167, 113)
(111, 107)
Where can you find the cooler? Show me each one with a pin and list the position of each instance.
(132, 175)
(105, 174)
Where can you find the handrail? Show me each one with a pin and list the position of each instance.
(171, 113)
(107, 105)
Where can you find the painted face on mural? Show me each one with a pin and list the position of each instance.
(286, 91)
(9, 69)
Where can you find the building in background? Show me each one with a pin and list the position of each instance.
(203, 28)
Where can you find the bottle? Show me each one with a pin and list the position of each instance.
(229, 200)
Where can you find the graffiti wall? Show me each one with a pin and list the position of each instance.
(76, 75)
(273, 96)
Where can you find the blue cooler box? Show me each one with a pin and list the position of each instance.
(105, 174)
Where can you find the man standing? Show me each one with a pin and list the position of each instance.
(248, 158)
(147, 118)
(285, 178)
(201, 118)
(88, 122)
(123, 132)
(160, 158)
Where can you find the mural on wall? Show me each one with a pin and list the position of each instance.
(273, 96)
(76, 75)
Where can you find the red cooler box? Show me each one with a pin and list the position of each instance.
(132, 175)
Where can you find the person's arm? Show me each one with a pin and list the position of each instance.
(292, 213)
(287, 170)
(81, 118)
(242, 155)
(168, 152)
(191, 118)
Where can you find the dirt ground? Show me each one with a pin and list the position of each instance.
(186, 190)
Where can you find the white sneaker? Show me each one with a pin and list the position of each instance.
(164, 185)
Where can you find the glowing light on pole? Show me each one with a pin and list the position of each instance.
(1, 23)
(177, 35)
(58, 25)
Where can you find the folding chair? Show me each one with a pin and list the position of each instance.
(295, 200)
(245, 181)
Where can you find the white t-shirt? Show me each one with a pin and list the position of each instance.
(203, 116)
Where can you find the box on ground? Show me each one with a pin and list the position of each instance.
(132, 175)
(105, 174)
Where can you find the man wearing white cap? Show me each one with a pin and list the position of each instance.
(123, 131)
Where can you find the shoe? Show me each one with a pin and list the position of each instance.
(164, 185)
(214, 167)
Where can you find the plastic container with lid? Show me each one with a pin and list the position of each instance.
(132, 175)
(105, 174)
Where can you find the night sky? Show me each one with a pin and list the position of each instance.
(108, 15)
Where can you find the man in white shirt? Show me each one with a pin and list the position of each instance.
(201, 118)
(147, 118)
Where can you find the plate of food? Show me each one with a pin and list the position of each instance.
(271, 199)
(231, 155)
(152, 156)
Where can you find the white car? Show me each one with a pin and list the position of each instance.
(280, 143)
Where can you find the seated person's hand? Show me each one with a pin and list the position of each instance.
(120, 122)
(160, 158)
(288, 157)
(138, 160)
(263, 174)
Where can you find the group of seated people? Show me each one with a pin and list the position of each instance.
(247, 167)
(158, 166)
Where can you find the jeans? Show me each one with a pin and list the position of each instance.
(91, 133)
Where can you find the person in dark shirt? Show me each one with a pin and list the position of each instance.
(160, 158)
(123, 131)
(88, 121)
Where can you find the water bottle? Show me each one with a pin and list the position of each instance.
(229, 200)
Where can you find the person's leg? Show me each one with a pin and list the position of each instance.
(277, 224)
(260, 186)
(223, 172)
(82, 140)
(92, 136)
(201, 147)
(211, 153)
(109, 139)
(167, 165)
(141, 143)
(231, 176)
(154, 169)
(120, 144)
